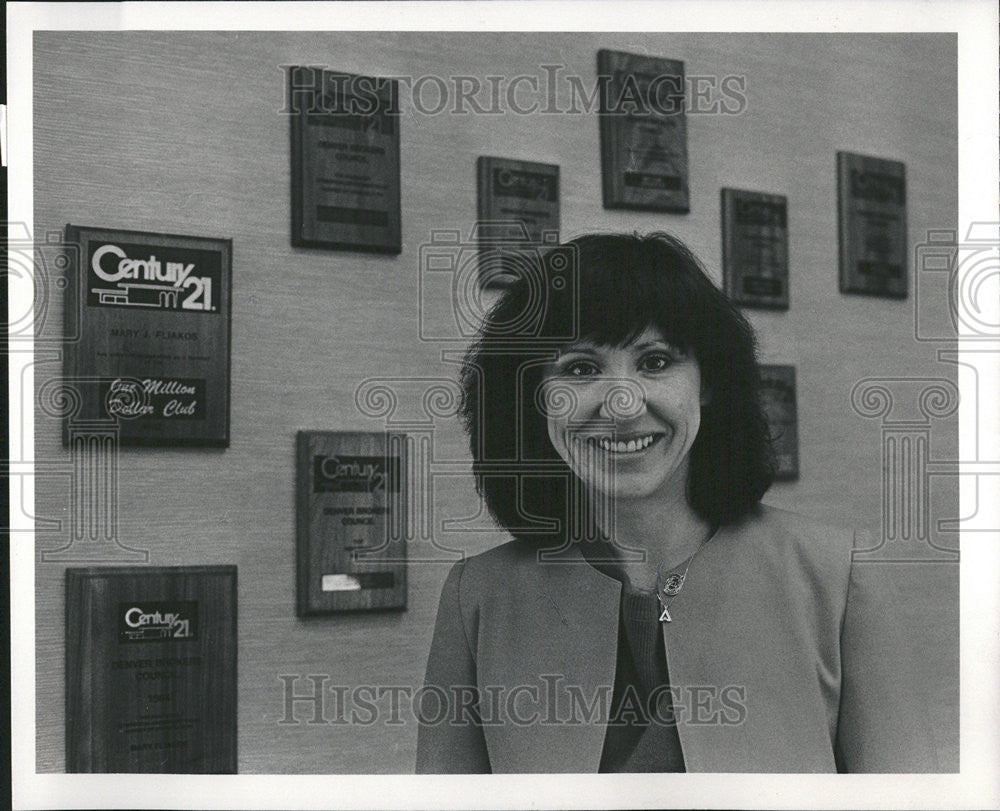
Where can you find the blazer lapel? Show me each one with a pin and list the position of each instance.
(569, 613)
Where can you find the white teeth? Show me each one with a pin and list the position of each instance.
(631, 446)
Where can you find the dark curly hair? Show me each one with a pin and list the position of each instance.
(608, 288)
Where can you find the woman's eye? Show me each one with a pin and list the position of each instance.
(579, 368)
(655, 363)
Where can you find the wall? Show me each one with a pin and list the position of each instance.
(180, 132)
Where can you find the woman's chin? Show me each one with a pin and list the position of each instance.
(630, 486)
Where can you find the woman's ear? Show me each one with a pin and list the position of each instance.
(706, 396)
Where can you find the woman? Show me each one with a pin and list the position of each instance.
(650, 614)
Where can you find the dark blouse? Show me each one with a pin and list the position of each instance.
(642, 733)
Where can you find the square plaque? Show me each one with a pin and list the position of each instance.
(872, 206)
(755, 248)
(154, 335)
(151, 669)
(345, 161)
(780, 407)
(351, 505)
(644, 162)
(517, 208)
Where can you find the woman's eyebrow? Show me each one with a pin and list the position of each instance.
(578, 349)
(657, 343)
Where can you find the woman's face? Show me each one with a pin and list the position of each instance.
(624, 418)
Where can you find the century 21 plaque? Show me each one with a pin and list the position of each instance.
(151, 669)
(755, 248)
(345, 161)
(644, 161)
(351, 518)
(872, 205)
(517, 210)
(154, 335)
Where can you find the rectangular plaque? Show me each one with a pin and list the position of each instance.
(351, 504)
(517, 206)
(778, 394)
(644, 162)
(872, 224)
(345, 161)
(151, 669)
(153, 335)
(755, 248)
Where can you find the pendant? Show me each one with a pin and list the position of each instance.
(673, 584)
(665, 616)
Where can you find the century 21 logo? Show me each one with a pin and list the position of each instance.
(355, 474)
(157, 621)
(171, 282)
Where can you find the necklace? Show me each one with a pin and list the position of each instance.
(671, 587)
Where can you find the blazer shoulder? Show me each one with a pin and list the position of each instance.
(498, 566)
(822, 548)
(791, 528)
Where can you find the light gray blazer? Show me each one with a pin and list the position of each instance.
(782, 654)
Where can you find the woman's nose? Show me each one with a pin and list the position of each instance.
(622, 399)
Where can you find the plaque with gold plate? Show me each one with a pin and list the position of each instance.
(755, 248)
(517, 210)
(781, 409)
(344, 160)
(872, 206)
(351, 505)
(644, 160)
(151, 669)
(154, 335)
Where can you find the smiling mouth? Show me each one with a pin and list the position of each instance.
(634, 444)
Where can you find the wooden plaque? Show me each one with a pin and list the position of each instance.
(518, 199)
(517, 209)
(644, 163)
(151, 669)
(872, 206)
(755, 248)
(153, 335)
(781, 409)
(352, 501)
(345, 161)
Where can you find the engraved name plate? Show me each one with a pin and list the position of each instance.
(345, 161)
(352, 498)
(644, 163)
(872, 205)
(755, 248)
(151, 669)
(154, 335)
